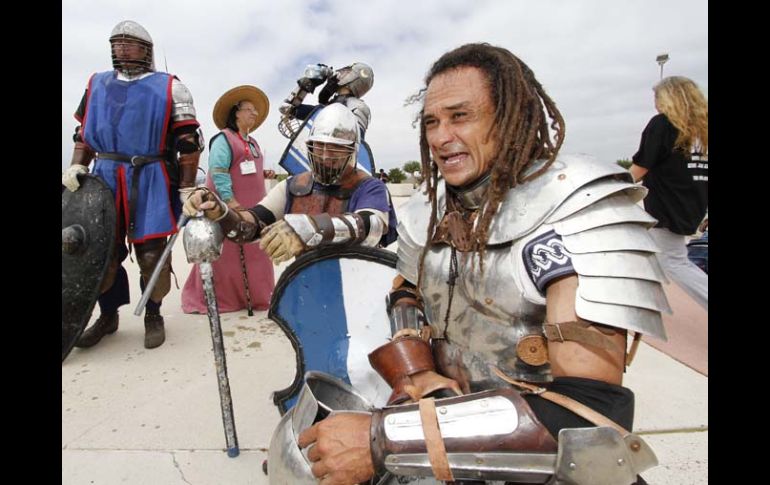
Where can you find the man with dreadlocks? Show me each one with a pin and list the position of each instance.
(521, 275)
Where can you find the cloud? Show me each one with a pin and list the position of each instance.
(595, 58)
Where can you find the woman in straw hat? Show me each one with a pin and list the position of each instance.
(244, 274)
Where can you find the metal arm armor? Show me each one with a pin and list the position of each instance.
(182, 107)
(494, 435)
(348, 228)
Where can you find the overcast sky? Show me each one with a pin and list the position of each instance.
(595, 58)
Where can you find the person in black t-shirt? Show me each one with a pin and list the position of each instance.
(672, 162)
(383, 176)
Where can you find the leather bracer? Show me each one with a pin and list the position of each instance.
(82, 154)
(399, 359)
(188, 169)
(238, 229)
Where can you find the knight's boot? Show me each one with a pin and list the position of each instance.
(105, 324)
(154, 334)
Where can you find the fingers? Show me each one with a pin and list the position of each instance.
(273, 245)
(189, 208)
(266, 236)
(319, 468)
(192, 204)
(312, 453)
(308, 436)
(280, 258)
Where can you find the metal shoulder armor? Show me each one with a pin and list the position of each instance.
(182, 107)
(360, 110)
(526, 206)
(606, 234)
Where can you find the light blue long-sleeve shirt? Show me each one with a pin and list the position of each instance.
(220, 158)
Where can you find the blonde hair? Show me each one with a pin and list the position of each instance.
(683, 103)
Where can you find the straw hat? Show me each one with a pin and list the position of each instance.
(233, 97)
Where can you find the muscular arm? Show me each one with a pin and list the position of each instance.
(576, 359)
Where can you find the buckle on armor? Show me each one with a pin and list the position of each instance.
(560, 338)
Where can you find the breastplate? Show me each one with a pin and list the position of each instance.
(488, 318)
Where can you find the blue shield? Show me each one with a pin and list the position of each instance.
(294, 159)
(331, 304)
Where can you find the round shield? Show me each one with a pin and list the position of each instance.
(331, 305)
(88, 238)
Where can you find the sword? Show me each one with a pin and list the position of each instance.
(246, 281)
(203, 244)
(225, 398)
(158, 267)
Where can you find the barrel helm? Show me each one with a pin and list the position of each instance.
(358, 77)
(333, 143)
(128, 34)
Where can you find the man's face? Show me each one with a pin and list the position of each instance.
(128, 50)
(330, 161)
(331, 155)
(458, 118)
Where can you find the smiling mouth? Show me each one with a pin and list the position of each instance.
(453, 159)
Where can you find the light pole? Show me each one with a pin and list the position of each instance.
(661, 59)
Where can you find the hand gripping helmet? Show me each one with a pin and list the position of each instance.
(358, 77)
(131, 48)
(333, 143)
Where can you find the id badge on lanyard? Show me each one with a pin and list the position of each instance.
(249, 166)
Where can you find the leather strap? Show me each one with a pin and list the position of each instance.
(578, 331)
(136, 161)
(434, 443)
(566, 402)
(634, 346)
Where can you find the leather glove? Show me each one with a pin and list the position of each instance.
(69, 178)
(287, 109)
(202, 199)
(280, 242)
(184, 194)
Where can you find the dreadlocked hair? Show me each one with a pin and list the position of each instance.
(522, 111)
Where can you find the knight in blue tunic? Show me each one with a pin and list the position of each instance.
(138, 126)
